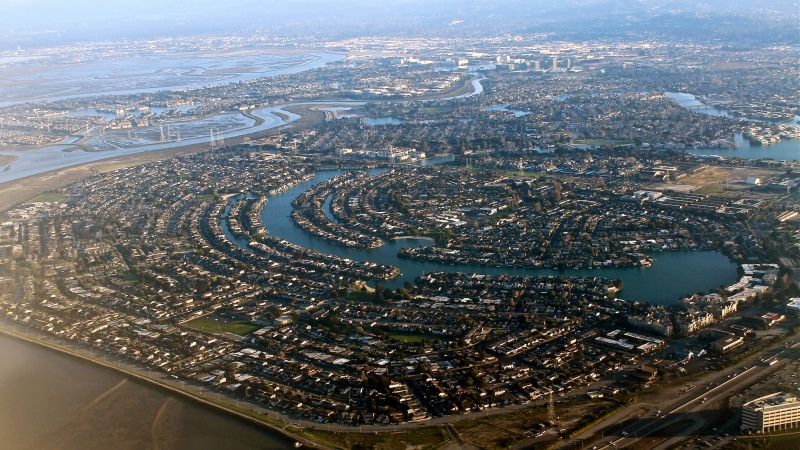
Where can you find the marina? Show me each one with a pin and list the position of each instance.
(780, 150)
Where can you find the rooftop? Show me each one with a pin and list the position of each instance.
(778, 400)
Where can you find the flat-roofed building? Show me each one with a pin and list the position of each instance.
(726, 343)
(794, 305)
(778, 411)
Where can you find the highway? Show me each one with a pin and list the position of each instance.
(705, 397)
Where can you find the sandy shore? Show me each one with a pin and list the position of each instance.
(7, 159)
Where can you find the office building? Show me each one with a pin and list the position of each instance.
(778, 411)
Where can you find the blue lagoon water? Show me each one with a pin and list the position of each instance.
(785, 150)
(672, 275)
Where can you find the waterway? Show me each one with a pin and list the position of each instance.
(139, 74)
(158, 110)
(672, 275)
(92, 112)
(64, 155)
(55, 157)
(690, 101)
(506, 107)
(785, 150)
(382, 121)
(51, 400)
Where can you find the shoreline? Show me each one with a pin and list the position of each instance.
(324, 56)
(124, 369)
(24, 189)
(279, 110)
(6, 160)
(259, 120)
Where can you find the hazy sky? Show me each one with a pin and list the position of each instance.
(87, 19)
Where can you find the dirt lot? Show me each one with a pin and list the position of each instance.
(724, 178)
(503, 431)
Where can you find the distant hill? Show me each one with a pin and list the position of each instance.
(29, 21)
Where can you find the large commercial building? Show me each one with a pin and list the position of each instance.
(794, 306)
(726, 343)
(773, 412)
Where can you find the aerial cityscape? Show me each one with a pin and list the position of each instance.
(471, 225)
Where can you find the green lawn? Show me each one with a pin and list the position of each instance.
(49, 198)
(495, 333)
(710, 189)
(415, 338)
(205, 198)
(361, 296)
(434, 109)
(240, 327)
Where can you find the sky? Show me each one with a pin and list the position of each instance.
(68, 20)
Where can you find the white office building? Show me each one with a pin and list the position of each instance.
(779, 411)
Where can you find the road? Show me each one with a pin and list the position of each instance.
(710, 390)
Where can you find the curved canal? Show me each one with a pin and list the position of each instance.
(672, 275)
